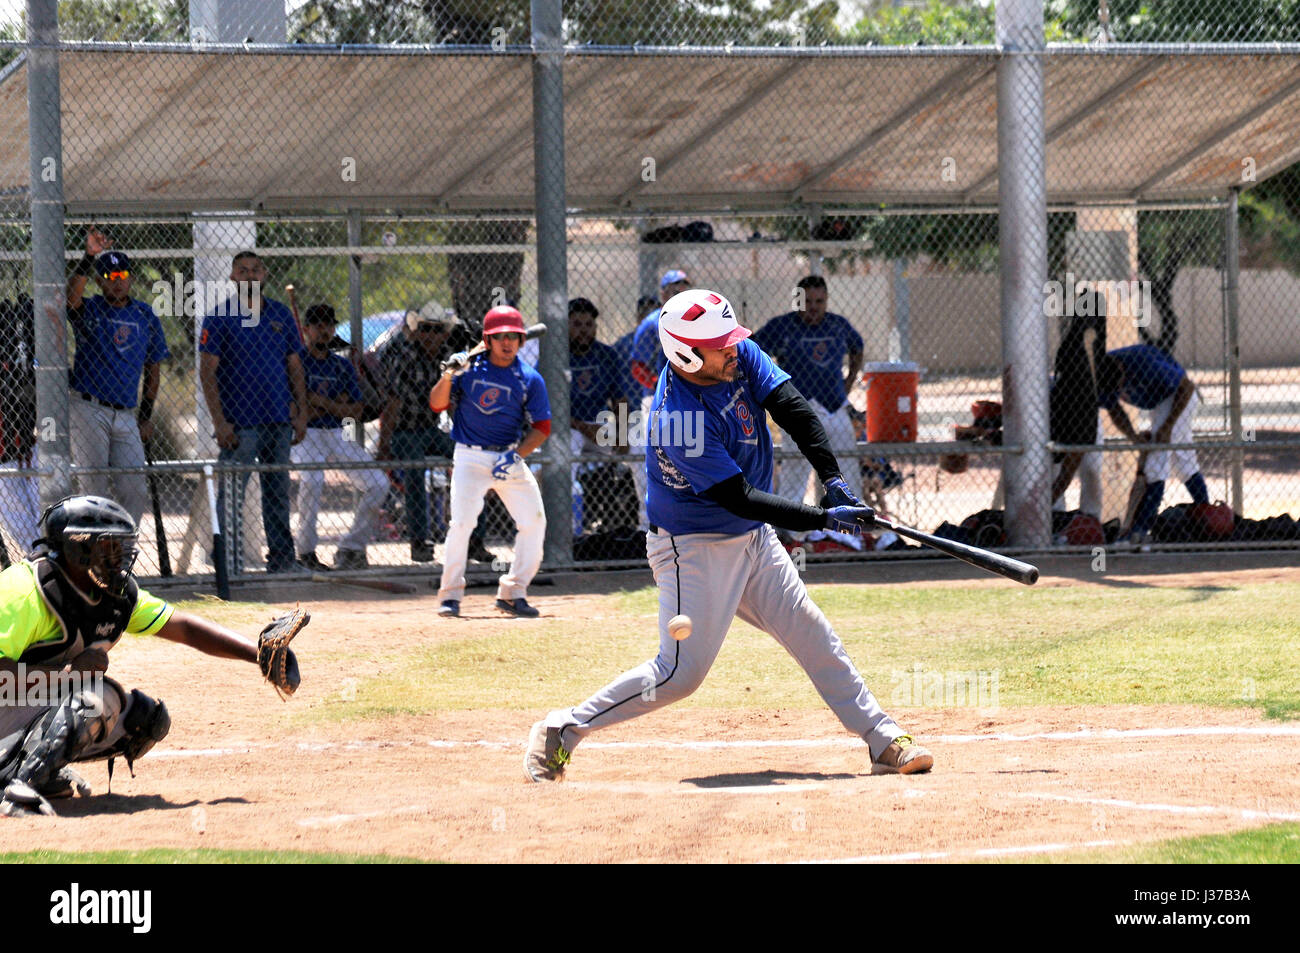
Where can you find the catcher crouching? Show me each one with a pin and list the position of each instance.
(61, 611)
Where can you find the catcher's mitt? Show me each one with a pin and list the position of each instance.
(274, 656)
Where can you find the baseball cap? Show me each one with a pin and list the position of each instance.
(433, 312)
(584, 306)
(503, 320)
(672, 277)
(319, 314)
(111, 261)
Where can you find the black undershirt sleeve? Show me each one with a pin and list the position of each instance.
(736, 495)
(793, 415)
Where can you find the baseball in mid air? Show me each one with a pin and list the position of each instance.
(679, 627)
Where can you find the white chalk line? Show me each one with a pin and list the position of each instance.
(914, 856)
(1245, 814)
(335, 820)
(1104, 734)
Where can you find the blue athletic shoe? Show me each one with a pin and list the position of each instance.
(450, 609)
(518, 607)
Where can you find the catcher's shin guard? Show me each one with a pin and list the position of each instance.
(145, 722)
(54, 739)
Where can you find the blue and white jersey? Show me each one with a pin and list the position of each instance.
(596, 378)
(332, 376)
(813, 354)
(700, 436)
(496, 405)
(1150, 376)
(113, 347)
(646, 347)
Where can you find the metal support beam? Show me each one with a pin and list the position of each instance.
(45, 125)
(1022, 242)
(714, 130)
(1231, 257)
(955, 83)
(354, 302)
(1098, 102)
(1223, 132)
(552, 272)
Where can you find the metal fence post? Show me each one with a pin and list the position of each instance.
(1022, 241)
(552, 267)
(354, 301)
(1231, 252)
(44, 118)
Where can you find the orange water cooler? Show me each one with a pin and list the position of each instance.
(891, 401)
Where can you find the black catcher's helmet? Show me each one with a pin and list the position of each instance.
(93, 533)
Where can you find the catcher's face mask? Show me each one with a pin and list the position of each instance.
(107, 559)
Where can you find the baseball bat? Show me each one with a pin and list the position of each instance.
(160, 531)
(383, 585)
(218, 540)
(531, 333)
(1023, 573)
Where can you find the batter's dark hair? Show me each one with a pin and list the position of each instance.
(244, 254)
(812, 281)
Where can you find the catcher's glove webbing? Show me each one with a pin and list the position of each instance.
(274, 656)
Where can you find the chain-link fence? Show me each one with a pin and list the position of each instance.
(850, 206)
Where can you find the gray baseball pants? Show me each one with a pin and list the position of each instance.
(714, 578)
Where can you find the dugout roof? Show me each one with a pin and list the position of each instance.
(174, 128)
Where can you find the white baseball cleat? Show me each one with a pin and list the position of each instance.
(904, 756)
(546, 755)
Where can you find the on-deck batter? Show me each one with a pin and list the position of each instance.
(502, 415)
(712, 547)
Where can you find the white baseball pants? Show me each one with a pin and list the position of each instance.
(792, 478)
(20, 509)
(103, 437)
(713, 579)
(1182, 462)
(330, 445)
(471, 478)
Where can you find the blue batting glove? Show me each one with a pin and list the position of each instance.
(839, 494)
(850, 519)
(503, 468)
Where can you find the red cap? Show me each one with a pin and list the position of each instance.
(503, 320)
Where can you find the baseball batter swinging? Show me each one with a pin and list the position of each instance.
(711, 544)
(502, 415)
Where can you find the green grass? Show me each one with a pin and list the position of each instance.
(1096, 645)
(1272, 844)
(174, 855)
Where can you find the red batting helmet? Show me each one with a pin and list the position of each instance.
(1213, 520)
(697, 318)
(503, 320)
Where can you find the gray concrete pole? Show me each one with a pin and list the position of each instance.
(354, 301)
(1231, 262)
(1022, 241)
(49, 266)
(552, 272)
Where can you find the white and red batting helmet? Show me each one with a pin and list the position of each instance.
(697, 318)
(502, 320)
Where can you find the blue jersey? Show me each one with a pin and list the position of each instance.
(646, 347)
(623, 350)
(496, 405)
(813, 354)
(334, 377)
(113, 347)
(700, 436)
(252, 376)
(1150, 376)
(595, 378)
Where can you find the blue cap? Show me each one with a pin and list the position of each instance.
(672, 277)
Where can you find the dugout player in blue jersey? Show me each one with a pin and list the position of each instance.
(812, 345)
(595, 379)
(711, 543)
(119, 341)
(501, 414)
(1151, 380)
(250, 366)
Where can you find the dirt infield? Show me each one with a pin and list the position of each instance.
(238, 771)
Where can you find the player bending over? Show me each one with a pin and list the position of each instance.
(61, 611)
(711, 543)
